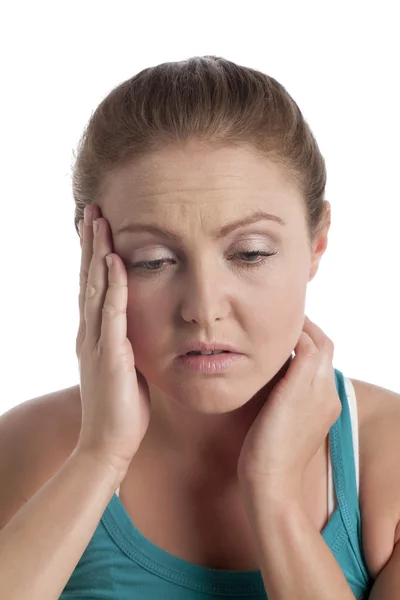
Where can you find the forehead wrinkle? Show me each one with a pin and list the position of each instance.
(186, 213)
(216, 233)
(193, 197)
(135, 203)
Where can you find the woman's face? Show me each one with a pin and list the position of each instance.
(202, 287)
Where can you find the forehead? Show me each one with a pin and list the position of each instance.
(193, 180)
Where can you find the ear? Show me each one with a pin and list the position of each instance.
(321, 242)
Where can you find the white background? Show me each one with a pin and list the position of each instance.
(339, 61)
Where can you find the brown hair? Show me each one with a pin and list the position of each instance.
(207, 98)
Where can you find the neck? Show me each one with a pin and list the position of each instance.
(201, 446)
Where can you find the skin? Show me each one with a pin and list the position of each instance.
(204, 292)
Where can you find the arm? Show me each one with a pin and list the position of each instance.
(42, 544)
(295, 561)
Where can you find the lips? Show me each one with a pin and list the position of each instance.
(198, 353)
(215, 346)
(208, 364)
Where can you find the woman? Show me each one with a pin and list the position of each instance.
(237, 474)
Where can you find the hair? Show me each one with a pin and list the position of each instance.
(209, 99)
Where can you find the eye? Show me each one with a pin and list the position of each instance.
(150, 265)
(156, 265)
(255, 254)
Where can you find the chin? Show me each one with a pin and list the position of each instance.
(214, 397)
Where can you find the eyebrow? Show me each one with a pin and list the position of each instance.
(223, 232)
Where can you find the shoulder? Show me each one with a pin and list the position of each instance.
(379, 456)
(36, 438)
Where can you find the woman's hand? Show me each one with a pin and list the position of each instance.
(295, 420)
(114, 395)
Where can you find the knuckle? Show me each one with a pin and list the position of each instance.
(111, 310)
(90, 290)
(115, 285)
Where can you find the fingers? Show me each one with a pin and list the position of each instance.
(313, 356)
(103, 293)
(319, 338)
(97, 283)
(114, 319)
(319, 348)
(86, 259)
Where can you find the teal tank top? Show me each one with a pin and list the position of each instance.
(119, 563)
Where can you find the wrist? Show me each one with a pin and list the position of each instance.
(114, 468)
(269, 499)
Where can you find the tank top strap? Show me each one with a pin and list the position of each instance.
(344, 469)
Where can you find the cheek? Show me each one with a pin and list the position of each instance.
(141, 316)
(145, 320)
(279, 314)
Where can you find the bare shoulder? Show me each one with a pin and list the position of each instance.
(379, 448)
(36, 438)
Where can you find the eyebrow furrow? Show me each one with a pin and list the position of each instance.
(223, 232)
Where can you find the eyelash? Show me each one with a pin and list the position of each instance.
(140, 265)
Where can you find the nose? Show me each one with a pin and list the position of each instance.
(205, 297)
